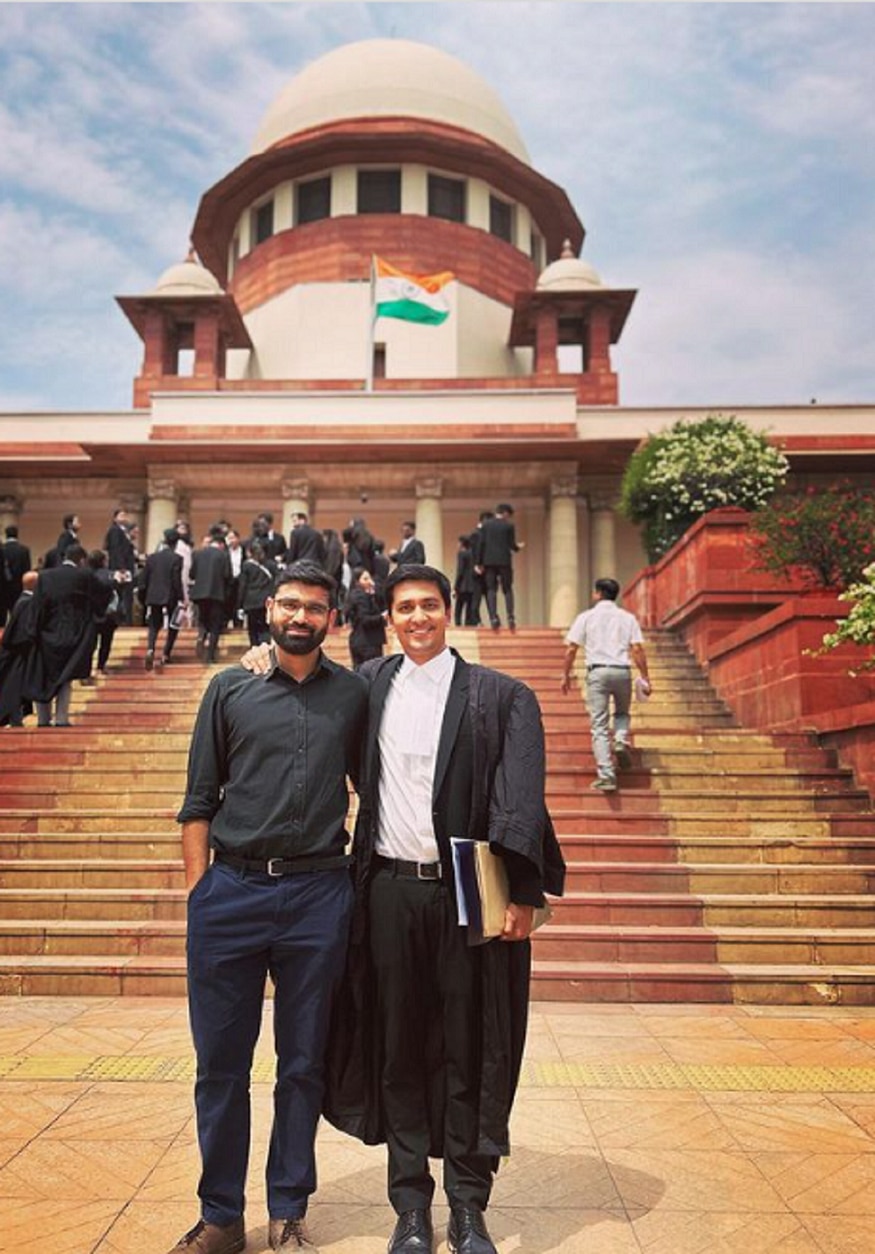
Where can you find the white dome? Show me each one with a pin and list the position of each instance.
(389, 78)
(187, 278)
(568, 274)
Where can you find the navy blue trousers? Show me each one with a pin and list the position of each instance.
(242, 927)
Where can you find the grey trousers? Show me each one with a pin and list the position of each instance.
(604, 685)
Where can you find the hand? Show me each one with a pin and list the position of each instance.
(565, 684)
(518, 922)
(257, 659)
(478, 570)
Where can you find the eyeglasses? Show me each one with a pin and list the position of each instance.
(290, 606)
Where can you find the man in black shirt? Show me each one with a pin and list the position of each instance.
(267, 793)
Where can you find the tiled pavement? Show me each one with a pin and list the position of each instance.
(663, 1129)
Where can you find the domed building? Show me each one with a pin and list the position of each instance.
(268, 380)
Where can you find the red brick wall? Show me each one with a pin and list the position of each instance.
(340, 249)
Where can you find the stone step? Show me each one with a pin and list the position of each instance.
(684, 801)
(563, 777)
(703, 983)
(847, 947)
(599, 847)
(91, 873)
(152, 937)
(107, 904)
(701, 879)
(660, 910)
(554, 943)
(74, 975)
(573, 821)
(582, 877)
(117, 845)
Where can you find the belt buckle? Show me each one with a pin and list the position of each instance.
(270, 867)
(428, 871)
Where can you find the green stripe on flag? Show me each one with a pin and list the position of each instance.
(412, 311)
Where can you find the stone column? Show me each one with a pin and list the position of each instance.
(547, 342)
(564, 587)
(296, 500)
(161, 510)
(430, 520)
(603, 536)
(10, 512)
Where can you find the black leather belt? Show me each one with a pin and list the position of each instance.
(607, 666)
(285, 866)
(410, 870)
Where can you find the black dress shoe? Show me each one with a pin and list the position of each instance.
(466, 1232)
(413, 1233)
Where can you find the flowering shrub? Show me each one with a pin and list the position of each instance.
(693, 467)
(859, 626)
(824, 536)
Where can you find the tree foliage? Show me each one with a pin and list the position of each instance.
(825, 536)
(680, 474)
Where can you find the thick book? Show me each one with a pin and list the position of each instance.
(482, 890)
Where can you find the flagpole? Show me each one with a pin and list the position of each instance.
(372, 322)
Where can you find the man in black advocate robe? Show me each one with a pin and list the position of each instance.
(429, 1054)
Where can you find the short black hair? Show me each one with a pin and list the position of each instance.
(408, 522)
(67, 521)
(503, 508)
(96, 558)
(609, 588)
(484, 514)
(12, 532)
(171, 537)
(309, 573)
(74, 553)
(415, 572)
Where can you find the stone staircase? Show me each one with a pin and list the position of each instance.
(730, 866)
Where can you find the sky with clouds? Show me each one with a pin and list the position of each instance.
(720, 156)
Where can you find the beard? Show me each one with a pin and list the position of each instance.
(299, 642)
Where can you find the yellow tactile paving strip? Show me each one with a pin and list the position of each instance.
(702, 1078)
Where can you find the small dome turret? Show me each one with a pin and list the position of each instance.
(568, 274)
(187, 278)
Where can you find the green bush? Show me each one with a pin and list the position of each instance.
(825, 536)
(695, 466)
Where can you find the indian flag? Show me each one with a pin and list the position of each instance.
(412, 297)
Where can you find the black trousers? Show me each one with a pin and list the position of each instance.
(212, 621)
(428, 1007)
(493, 576)
(155, 616)
(462, 609)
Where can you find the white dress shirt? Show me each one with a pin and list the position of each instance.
(409, 735)
(605, 632)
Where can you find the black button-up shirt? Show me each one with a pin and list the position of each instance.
(269, 759)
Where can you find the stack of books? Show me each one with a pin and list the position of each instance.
(482, 891)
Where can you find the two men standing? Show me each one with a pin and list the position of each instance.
(429, 1036)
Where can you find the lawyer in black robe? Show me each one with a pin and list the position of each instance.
(489, 785)
(68, 600)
